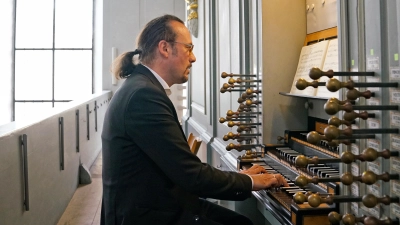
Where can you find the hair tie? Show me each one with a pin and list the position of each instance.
(137, 51)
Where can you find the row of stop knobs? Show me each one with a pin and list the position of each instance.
(245, 113)
(369, 200)
(334, 85)
(367, 177)
(334, 136)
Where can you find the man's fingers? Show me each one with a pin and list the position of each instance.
(256, 169)
(280, 180)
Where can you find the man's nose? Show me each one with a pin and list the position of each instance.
(192, 58)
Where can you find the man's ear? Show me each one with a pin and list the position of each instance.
(164, 48)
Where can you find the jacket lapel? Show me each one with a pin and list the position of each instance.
(143, 70)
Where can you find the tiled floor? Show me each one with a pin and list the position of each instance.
(85, 206)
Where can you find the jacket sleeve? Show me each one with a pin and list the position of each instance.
(151, 123)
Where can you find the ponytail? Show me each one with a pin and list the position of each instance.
(124, 65)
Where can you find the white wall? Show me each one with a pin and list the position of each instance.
(6, 26)
(122, 22)
(50, 187)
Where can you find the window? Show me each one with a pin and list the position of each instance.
(53, 54)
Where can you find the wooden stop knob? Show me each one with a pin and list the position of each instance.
(369, 154)
(347, 157)
(314, 137)
(301, 161)
(368, 177)
(331, 132)
(347, 178)
(334, 218)
(301, 181)
(349, 219)
(314, 200)
(369, 200)
(299, 197)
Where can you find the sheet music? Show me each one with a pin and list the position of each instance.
(331, 62)
(310, 56)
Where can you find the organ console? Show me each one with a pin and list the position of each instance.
(312, 161)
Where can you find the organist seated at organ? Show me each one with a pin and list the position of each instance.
(150, 176)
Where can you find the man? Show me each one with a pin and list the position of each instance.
(149, 174)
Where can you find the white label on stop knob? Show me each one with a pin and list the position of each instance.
(395, 209)
(373, 63)
(355, 191)
(373, 101)
(375, 211)
(355, 170)
(374, 144)
(395, 96)
(373, 124)
(395, 141)
(395, 119)
(354, 208)
(395, 163)
(394, 73)
(375, 189)
(396, 187)
(355, 149)
(374, 167)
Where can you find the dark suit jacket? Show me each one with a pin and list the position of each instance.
(146, 155)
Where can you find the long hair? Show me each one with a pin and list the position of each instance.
(156, 30)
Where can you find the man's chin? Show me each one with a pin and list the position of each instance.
(185, 79)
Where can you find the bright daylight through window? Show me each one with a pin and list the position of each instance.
(53, 54)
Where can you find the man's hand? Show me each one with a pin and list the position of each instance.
(267, 180)
(256, 169)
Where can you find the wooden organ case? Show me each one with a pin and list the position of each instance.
(344, 169)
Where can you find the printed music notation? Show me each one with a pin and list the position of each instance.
(323, 55)
(331, 62)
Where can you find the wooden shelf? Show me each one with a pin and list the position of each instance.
(302, 96)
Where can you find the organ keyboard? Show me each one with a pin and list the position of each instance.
(281, 159)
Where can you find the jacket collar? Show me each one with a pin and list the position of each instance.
(143, 70)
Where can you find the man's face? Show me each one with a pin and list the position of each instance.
(182, 54)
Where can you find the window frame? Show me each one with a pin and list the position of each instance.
(53, 49)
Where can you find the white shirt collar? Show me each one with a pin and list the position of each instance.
(161, 80)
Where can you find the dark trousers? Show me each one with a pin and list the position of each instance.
(209, 214)
(220, 215)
